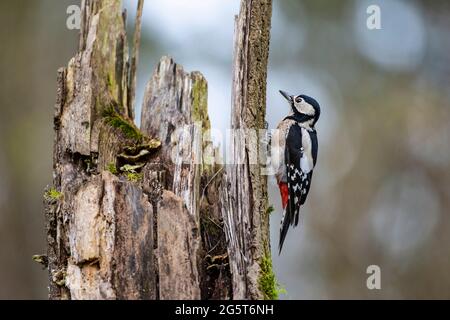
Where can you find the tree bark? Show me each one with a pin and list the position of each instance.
(245, 209)
(99, 224)
(153, 213)
(175, 109)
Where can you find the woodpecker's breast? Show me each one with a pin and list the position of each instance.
(278, 148)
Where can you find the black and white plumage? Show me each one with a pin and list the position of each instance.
(299, 145)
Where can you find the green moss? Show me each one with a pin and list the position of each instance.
(200, 101)
(53, 195)
(112, 168)
(109, 81)
(270, 209)
(267, 280)
(132, 168)
(134, 177)
(199, 96)
(115, 120)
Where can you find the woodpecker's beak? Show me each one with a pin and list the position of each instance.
(286, 95)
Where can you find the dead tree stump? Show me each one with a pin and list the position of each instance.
(152, 213)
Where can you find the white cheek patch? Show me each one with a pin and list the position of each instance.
(305, 108)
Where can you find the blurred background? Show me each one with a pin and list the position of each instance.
(381, 191)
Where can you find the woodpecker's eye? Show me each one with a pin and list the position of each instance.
(298, 99)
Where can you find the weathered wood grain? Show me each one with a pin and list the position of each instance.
(178, 250)
(109, 236)
(245, 200)
(136, 217)
(175, 108)
(99, 224)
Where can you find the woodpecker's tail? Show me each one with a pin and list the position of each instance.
(285, 219)
(285, 223)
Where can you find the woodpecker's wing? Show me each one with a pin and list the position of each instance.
(295, 178)
(300, 157)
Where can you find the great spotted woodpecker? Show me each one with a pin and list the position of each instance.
(296, 145)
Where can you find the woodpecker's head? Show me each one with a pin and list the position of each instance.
(304, 106)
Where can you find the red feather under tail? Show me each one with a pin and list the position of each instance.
(284, 193)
